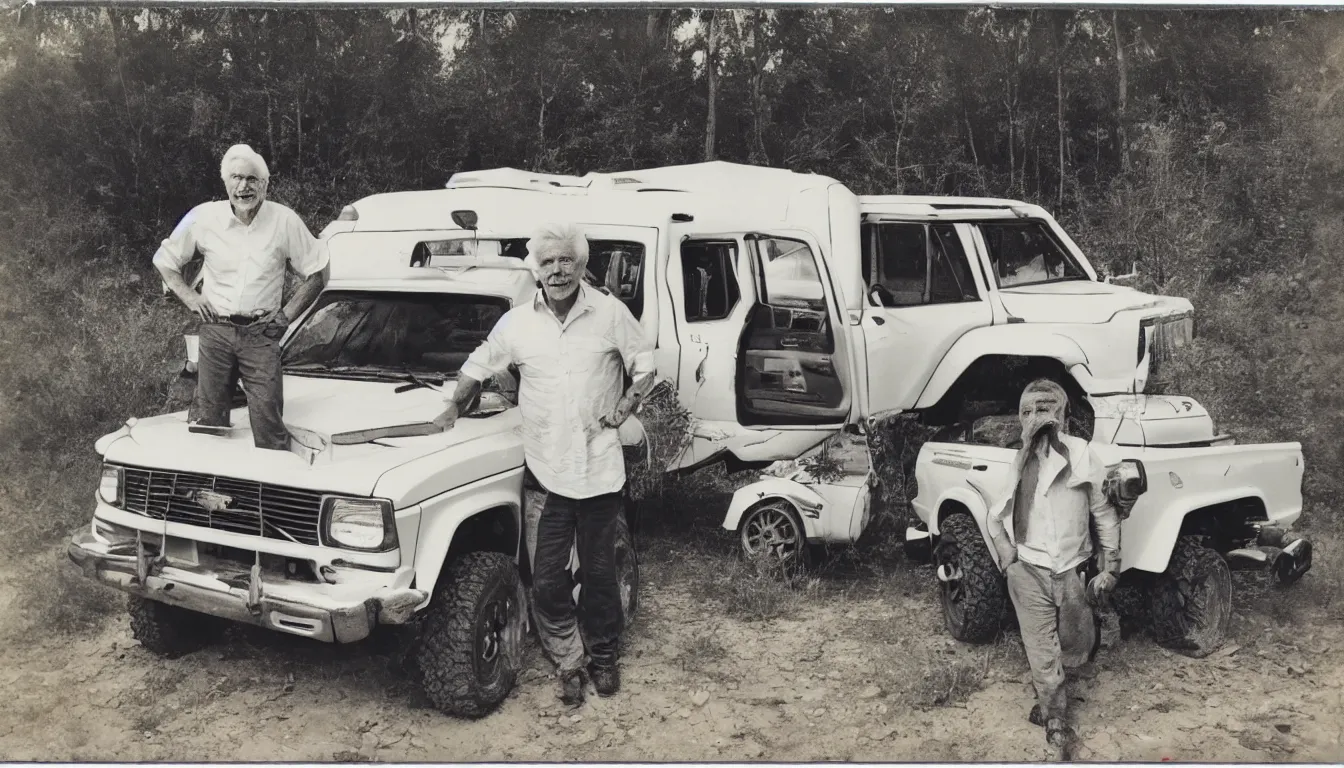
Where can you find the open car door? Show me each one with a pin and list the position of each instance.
(763, 370)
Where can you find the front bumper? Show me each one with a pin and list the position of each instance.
(318, 611)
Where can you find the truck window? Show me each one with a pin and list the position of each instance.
(912, 264)
(1025, 253)
(617, 267)
(710, 281)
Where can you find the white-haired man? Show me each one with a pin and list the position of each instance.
(246, 242)
(571, 344)
(1042, 528)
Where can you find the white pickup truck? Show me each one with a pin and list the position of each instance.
(374, 516)
(1199, 502)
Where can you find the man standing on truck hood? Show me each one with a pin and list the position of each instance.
(1041, 530)
(246, 242)
(571, 344)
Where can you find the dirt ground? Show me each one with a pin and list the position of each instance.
(854, 665)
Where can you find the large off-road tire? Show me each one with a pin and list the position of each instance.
(1192, 600)
(471, 635)
(168, 630)
(975, 605)
(773, 532)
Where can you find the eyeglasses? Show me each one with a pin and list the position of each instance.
(237, 179)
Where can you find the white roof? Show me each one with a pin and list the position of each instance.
(503, 197)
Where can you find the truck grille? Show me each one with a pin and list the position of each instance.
(290, 514)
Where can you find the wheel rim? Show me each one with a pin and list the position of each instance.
(772, 531)
(496, 632)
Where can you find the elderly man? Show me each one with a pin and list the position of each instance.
(571, 344)
(246, 242)
(1042, 529)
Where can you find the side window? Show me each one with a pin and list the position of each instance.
(792, 285)
(617, 268)
(1025, 252)
(911, 265)
(709, 278)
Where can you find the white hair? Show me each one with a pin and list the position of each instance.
(567, 235)
(246, 153)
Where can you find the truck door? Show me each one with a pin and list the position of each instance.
(924, 290)
(763, 371)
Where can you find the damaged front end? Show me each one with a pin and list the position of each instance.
(323, 601)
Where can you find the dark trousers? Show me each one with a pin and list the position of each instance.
(229, 352)
(591, 524)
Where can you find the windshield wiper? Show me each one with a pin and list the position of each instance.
(416, 382)
(400, 373)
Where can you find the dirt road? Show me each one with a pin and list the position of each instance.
(853, 667)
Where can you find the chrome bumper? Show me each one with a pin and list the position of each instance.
(294, 607)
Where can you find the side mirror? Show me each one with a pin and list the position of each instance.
(465, 219)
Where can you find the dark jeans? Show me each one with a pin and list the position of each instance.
(591, 523)
(228, 352)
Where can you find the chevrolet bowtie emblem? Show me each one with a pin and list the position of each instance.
(211, 501)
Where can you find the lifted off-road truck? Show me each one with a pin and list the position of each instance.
(786, 308)
(1197, 504)
(373, 517)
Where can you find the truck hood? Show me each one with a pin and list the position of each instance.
(317, 407)
(1083, 301)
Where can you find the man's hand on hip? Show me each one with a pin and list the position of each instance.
(200, 307)
(277, 317)
(618, 414)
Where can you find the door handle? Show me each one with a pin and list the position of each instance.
(980, 467)
(877, 320)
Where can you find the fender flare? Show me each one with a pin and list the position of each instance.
(438, 529)
(1147, 546)
(799, 495)
(1017, 340)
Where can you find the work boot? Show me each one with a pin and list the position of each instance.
(571, 688)
(1060, 738)
(606, 679)
(1035, 717)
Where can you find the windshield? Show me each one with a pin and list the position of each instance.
(1025, 253)
(423, 333)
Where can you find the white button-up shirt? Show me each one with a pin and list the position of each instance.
(1068, 497)
(244, 268)
(571, 376)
